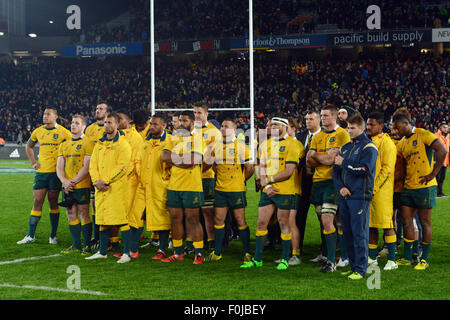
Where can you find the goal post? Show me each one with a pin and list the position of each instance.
(249, 109)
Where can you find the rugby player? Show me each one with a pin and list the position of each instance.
(382, 205)
(233, 168)
(72, 169)
(46, 183)
(420, 187)
(211, 135)
(109, 166)
(184, 153)
(95, 132)
(278, 158)
(324, 196)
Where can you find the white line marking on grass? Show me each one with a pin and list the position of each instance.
(9, 285)
(27, 259)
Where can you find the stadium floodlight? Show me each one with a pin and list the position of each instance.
(32, 35)
(51, 21)
(2, 33)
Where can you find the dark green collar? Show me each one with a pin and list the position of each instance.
(161, 138)
(115, 139)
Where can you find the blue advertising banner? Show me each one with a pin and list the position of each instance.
(109, 49)
(279, 42)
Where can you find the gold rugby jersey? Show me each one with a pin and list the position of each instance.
(416, 150)
(49, 141)
(322, 142)
(74, 151)
(189, 179)
(275, 154)
(230, 158)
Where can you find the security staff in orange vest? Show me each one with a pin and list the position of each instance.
(444, 136)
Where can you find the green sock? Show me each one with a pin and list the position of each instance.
(86, 230)
(178, 250)
(392, 248)
(54, 221)
(163, 240)
(135, 236)
(373, 252)
(211, 244)
(95, 228)
(126, 239)
(103, 239)
(415, 248)
(259, 246)
(244, 234)
(343, 246)
(75, 232)
(330, 240)
(219, 234)
(285, 248)
(324, 246)
(426, 250)
(190, 244)
(407, 253)
(33, 222)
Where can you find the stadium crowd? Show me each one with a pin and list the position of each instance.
(386, 83)
(199, 19)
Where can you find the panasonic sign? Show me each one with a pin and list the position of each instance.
(102, 50)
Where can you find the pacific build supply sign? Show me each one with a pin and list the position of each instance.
(441, 35)
(280, 42)
(379, 37)
(109, 49)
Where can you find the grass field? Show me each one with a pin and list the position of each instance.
(150, 280)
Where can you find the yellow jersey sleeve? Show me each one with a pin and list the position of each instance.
(33, 136)
(342, 138)
(428, 138)
(293, 152)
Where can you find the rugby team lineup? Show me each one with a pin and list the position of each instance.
(163, 149)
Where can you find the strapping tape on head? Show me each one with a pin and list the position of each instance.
(281, 121)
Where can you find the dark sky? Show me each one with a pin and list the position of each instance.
(39, 12)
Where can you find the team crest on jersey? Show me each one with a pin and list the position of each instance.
(55, 136)
(282, 148)
(205, 136)
(414, 143)
(79, 147)
(332, 139)
(231, 151)
(189, 145)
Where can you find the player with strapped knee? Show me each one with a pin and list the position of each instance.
(72, 169)
(109, 166)
(211, 135)
(324, 196)
(232, 168)
(382, 205)
(420, 186)
(49, 136)
(278, 158)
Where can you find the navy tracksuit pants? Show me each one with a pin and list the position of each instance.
(355, 226)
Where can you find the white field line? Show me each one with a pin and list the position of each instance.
(9, 285)
(27, 259)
